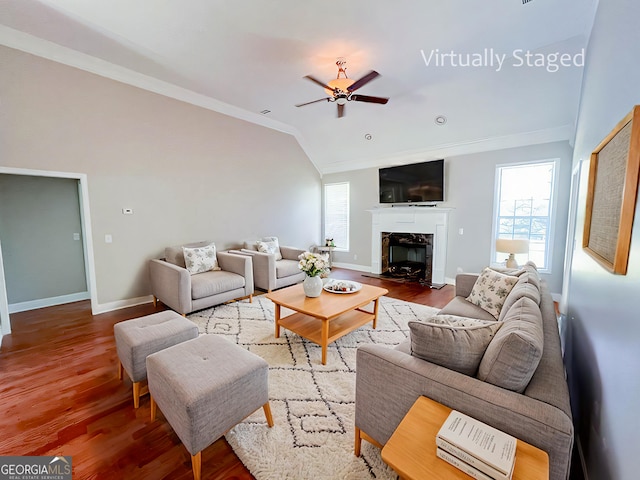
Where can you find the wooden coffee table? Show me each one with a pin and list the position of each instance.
(326, 318)
(411, 450)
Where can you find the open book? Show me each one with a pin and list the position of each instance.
(478, 444)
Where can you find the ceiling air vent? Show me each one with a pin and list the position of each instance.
(526, 1)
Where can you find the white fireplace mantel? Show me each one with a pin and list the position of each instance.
(416, 219)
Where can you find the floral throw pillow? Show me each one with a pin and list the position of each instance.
(201, 259)
(490, 290)
(270, 246)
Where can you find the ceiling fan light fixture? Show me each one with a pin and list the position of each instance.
(339, 84)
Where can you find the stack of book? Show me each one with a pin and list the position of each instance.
(477, 449)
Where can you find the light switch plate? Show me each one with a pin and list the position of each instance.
(127, 211)
(108, 238)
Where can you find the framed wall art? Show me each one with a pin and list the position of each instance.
(611, 195)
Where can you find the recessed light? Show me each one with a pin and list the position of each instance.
(440, 120)
(368, 136)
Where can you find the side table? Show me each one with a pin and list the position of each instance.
(411, 450)
(328, 250)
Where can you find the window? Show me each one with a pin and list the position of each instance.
(524, 205)
(336, 214)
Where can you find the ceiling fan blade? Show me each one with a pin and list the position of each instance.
(322, 84)
(315, 101)
(368, 99)
(340, 111)
(363, 81)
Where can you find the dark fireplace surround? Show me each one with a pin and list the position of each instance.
(407, 256)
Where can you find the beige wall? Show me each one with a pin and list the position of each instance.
(187, 172)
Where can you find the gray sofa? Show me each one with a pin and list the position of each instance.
(173, 285)
(389, 380)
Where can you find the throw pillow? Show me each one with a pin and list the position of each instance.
(513, 355)
(269, 245)
(490, 290)
(201, 259)
(456, 343)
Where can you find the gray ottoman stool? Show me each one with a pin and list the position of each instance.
(140, 337)
(204, 387)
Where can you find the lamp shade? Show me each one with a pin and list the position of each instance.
(507, 245)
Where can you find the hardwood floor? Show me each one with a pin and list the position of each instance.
(60, 395)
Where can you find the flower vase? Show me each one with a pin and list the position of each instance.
(312, 286)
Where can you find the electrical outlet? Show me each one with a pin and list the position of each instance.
(355, 256)
(108, 238)
(76, 236)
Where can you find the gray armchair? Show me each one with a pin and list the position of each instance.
(173, 285)
(270, 274)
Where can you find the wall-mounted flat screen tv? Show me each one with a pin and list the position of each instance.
(415, 183)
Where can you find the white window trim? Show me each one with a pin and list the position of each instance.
(324, 212)
(552, 214)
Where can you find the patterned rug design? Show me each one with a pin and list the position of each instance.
(312, 404)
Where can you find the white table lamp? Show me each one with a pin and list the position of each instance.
(512, 246)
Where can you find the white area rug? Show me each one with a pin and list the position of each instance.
(312, 404)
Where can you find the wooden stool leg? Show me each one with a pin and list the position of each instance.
(120, 370)
(155, 301)
(196, 465)
(136, 394)
(358, 443)
(267, 413)
(153, 408)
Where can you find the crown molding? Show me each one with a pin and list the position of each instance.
(534, 137)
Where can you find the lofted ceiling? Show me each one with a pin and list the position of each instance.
(248, 56)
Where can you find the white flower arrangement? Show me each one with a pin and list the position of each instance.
(313, 264)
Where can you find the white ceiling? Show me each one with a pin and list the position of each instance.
(245, 56)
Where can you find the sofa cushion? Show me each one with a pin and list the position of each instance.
(211, 283)
(463, 308)
(200, 259)
(250, 246)
(490, 290)
(456, 343)
(175, 255)
(524, 288)
(532, 270)
(286, 268)
(514, 353)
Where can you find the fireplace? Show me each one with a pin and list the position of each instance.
(407, 255)
(418, 221)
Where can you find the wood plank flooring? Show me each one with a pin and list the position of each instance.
(59, 394)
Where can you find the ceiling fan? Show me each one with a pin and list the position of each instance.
(341, 89)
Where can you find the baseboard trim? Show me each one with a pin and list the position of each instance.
(48, 302)
(351, 266)
(120, 304)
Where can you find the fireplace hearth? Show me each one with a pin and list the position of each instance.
(407, 256)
